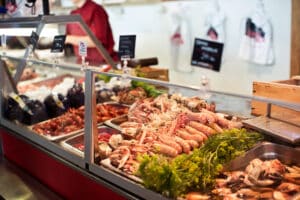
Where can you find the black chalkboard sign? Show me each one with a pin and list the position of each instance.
(34, 38)
(127, 46)
(58, 44)
(207, 54)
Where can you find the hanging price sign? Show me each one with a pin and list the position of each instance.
(58, 44)
(127, 45)
(207, 54)
(82, 49)
(34, 37)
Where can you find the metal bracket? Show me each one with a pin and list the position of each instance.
(7, 77)
(269, 108)
(21, 66)
(90, 118)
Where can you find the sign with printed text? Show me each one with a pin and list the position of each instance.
(82, 48)
(207, 54)
(127, 46)
(58, 44)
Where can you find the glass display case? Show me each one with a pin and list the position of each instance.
(103, 123)
(34, 66)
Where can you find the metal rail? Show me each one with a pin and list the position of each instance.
(68, 66)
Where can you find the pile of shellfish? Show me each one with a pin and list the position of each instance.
(168, 125)
(268, 179)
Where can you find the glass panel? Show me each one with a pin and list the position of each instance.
(49, 98)
(46, 99)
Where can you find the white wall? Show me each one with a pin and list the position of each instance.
(151, 23)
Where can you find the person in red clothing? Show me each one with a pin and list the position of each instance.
(96, 18)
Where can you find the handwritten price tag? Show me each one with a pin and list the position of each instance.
(82, 49)
(58, 44)
(127, 46)
(207, 54)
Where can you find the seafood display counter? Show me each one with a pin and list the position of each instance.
(92, 134)
(50, 105)
(136, 138)
(184, 147)
(35, 122)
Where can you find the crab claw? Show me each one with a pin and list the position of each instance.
(288, 188)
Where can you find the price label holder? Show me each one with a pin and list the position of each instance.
(207, 54)
(204, 91)
(3, 43)
(125, 69)
(127, 46)
(33, 40)
(58, 45)
(82, 49)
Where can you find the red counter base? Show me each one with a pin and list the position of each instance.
(62, 179)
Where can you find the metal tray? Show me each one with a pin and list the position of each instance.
(106, 163)
(72, 142)
(266, 151)
(116, 104)
(115, 122)
(275, 128)
(64, 135)
(57, 137)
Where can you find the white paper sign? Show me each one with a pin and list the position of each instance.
(82, 48)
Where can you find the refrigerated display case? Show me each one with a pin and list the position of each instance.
(73, 163)
(41, 100)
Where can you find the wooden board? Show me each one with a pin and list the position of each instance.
(155, 73)
(292, 82)
(295, 41)
(286, 90)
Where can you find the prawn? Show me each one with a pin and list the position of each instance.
(203, 128)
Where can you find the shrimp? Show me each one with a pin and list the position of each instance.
(170, 142)
(216, 127)
(129, 124)
(194, 144)
(184, 144)
(203, 128)
(130, 132)
(219, 119)
(120, 155)
(235, 124)
(142, 136)
(203, 117)
(194, 131)
(165, 149)
(186, 136)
